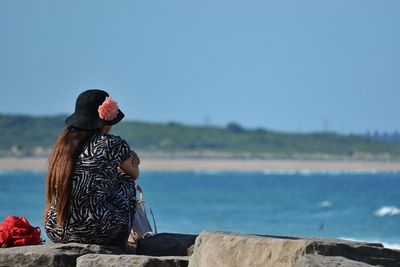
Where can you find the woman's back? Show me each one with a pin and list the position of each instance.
(100, 198)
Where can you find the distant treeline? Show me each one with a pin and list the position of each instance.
(384, 136)
(34, 136)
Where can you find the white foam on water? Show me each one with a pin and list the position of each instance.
(302, 172)
(307, 172)
(387, 211)
(325, 204)
(385, 244)
(279, 172)
(206, 172)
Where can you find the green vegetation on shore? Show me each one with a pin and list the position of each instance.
(34, 136)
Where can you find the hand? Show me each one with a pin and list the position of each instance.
(135, 158)
(131, 169)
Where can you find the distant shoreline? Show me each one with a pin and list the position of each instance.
(148, 164)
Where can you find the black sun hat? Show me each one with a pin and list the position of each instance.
(94, 109)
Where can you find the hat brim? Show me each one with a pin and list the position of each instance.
(88, 123)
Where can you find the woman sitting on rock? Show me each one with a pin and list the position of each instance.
(90, 187)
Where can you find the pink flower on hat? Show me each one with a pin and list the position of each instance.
(108, 110)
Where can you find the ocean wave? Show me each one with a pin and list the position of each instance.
(8, 172)
(17, 172)
(279, 172)
(385, 244)
(302, 172)
(387, 210)
(307, 172)
(207, 172)
(325, 204)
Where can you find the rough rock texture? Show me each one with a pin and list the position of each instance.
(96, 260)
(370, 253)
(167, 244)
(210, 249)
(229, 249)
(63, 255)
(323, 261)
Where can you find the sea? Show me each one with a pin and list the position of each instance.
(361, 206)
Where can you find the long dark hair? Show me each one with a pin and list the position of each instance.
(62, 163)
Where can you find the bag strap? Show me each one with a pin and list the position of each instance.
(140, 190)
(154, 221)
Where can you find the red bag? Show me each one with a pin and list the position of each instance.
(16, 231)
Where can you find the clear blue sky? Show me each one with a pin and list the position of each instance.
(283, 65)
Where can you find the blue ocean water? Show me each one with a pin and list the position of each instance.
(357, 206)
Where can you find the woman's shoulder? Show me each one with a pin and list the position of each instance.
(111, 138)
(112, 141)
(108, 147)
(117, 148)
(105, 141)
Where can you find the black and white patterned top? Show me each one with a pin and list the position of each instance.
(102, 199)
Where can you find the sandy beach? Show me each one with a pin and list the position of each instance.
(40, 164)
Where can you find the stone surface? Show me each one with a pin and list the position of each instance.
(324, 261)
(373, 254)
(63, 255)
(167, 244)
(98, 260)
(210, 249)
(230, 249)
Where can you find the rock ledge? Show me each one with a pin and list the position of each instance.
(208, 249)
